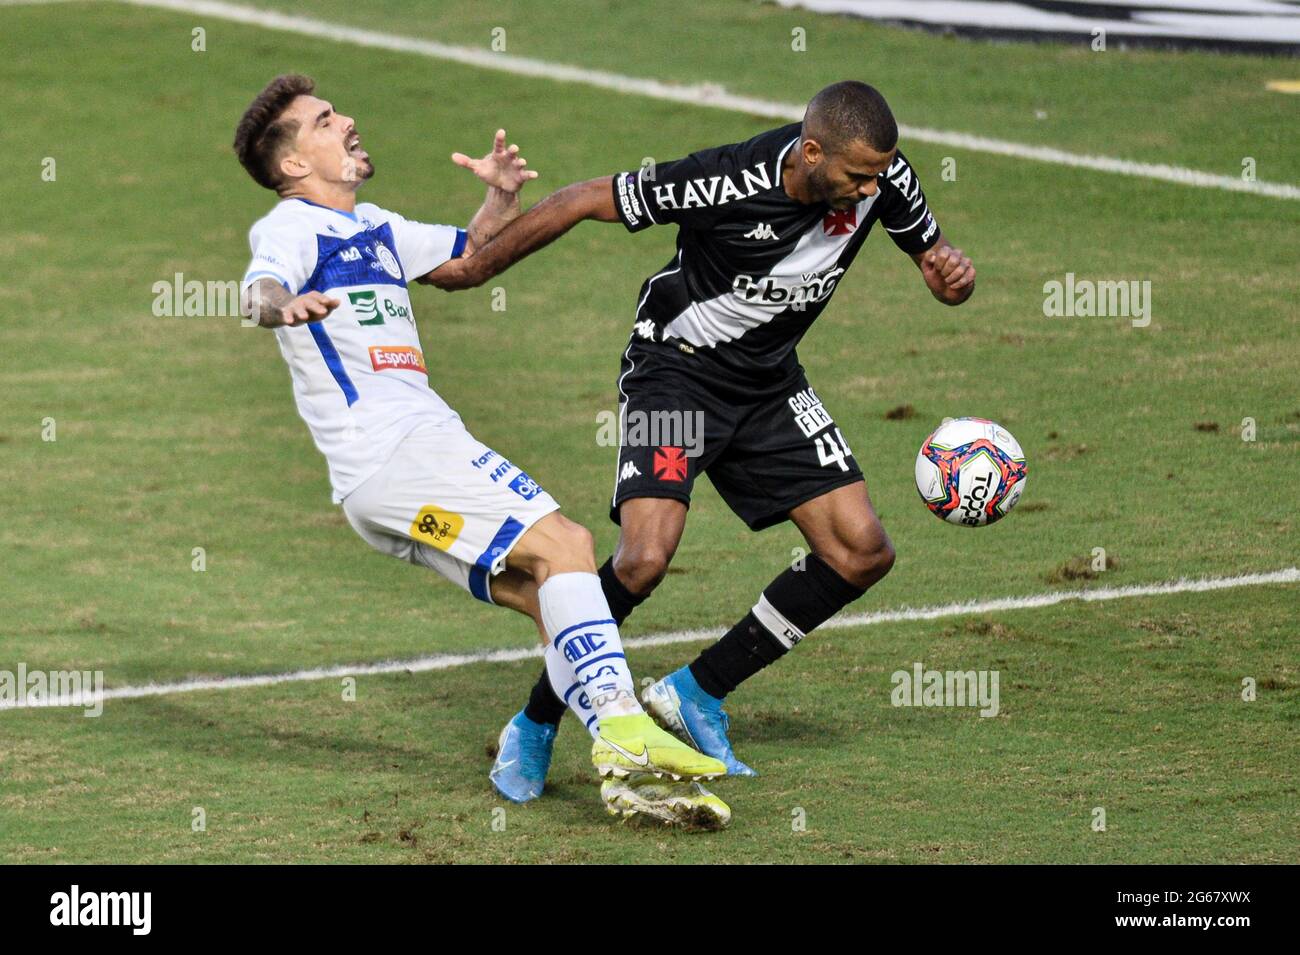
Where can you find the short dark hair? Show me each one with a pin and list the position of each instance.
(849, 112)
(262, 132)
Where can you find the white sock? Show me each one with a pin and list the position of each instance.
(560, 672)
(584, 658)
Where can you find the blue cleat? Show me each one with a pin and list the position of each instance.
(523, 757)
(696, 718)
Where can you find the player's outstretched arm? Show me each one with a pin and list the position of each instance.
(948, 273)
(539, 226)
(504, 172)
(273, 305)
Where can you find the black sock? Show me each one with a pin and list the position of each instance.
(543, 705)
(792, 606)
(621, 600)
(743, 650)
(809, 597)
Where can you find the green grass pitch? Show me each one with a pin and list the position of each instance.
(179, 433)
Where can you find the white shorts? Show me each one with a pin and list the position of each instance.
(448, 502)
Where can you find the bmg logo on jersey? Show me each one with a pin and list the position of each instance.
(774, 290)
(525, 486)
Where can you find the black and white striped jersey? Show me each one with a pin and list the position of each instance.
(754, 268)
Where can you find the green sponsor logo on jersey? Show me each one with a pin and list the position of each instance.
(365, 304)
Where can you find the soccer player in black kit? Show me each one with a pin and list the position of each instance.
(766, 229)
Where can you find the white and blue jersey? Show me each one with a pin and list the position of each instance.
(413, 482)
(360, 376)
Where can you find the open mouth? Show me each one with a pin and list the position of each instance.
(353, 146)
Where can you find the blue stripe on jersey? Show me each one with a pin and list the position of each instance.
(333, 362)
(253, 275)
(506, 535)
(356, 260)
(459, 245)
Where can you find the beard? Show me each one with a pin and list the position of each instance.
(358, 168)
(825, 192)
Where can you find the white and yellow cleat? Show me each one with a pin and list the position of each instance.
(642, 797)
(634, 744)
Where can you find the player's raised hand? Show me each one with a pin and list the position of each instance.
(309, 307)
(502, 168)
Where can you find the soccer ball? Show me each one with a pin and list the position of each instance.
(970, 471)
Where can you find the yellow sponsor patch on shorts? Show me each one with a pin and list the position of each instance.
(437, 526)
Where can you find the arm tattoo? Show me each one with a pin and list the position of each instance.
(264, 300)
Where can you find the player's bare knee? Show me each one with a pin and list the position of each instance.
(880, 559)
(577, 544)
(864, 561)
(569, 547)
(643, 567)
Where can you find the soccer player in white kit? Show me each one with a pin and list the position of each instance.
(330, 276)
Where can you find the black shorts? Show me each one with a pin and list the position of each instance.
(766, 447)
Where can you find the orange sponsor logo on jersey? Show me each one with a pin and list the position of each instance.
(399, 357)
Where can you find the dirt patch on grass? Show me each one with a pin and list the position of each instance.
(1065, 452)
(1081, 568)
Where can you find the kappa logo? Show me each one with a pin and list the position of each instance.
(670, 463)
(645, 328)
(630, 470)
(350, 254)
(761, 231)
(840, 221)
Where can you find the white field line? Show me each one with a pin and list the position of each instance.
(1289, 575)
(702, 94)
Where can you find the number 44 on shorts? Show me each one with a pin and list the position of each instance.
(832, 449)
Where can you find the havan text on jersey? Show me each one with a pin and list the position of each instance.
(754, 267)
